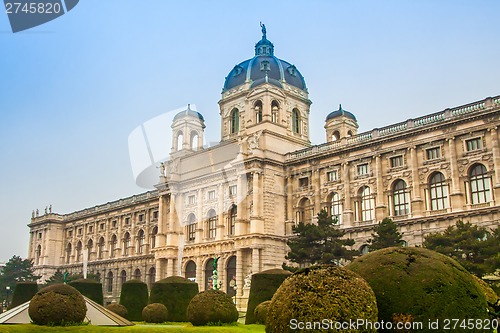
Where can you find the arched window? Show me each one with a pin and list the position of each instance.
(233, 212)
(258, 111)
(123, 277)
(367, 204)
(152, 276)
(305, 211)
(113, 243)
(209, 268)
(153, 237)
(110, 282)
(438, 191)
(191, 232)
(79, 251)
(400, 198)
(235, 121)
(335, 135)
(231, 276)
(100, 248)
(180, 140)
(364, 249)
(480, 189)
(275, 111)
(295, 121)
(194, 140)
(68, 253)
(191, 271)
(140, 241)
(126, 244)
(38, 253)
(90, 248)
(335, 206)
(137, 274)
(349, 133)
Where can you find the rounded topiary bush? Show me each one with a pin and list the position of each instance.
(23, 292)
(118, 309)
(89, 288)
(490, 295)
(155, 313)
(211, 307)
(420, 284)
(262, 288)
(134, 297)
(321, 292)
(260, 312)
(175, 292)
(57, 305)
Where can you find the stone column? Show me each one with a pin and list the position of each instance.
(317, 192)
(162, 221)
(496, 162)
(221, 230)
(256, 223)
(239, 272)
(348, 213)
(289, 205)
(456, 196)
(201, 219)
(256, 260)
(380, 205)
(417, 202)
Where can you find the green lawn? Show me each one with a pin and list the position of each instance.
(138, 328)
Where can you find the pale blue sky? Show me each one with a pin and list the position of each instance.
(73, 89)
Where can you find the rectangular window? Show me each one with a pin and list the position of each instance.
(155, 214)
(141, 217)
(79, 231)
(127, 220)
(91, 228)
(332, 175)
(211, 195)
(303, 182)
(396, 161)
(192, 231)
(363, 169)
(191, 199)
(70, 233)
(39, 235)
(232, 190)
(433, 153)
(114, 223)
(101, 226)
(473, 144)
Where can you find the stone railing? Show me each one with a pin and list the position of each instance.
(138, 198)
(396, 129)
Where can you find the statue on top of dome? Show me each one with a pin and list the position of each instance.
(263, 26)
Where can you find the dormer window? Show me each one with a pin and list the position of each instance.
(237, 70)
(292, 70)
(264, 66)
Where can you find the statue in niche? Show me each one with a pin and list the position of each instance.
(248, 281)
(253, 141)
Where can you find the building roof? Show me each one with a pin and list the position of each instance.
(340, 112)
(188, 113)
(264, 67)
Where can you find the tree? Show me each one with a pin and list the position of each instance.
(476, 248)
(58, 277)
(320, 243)
(16, 270)
(385, 234)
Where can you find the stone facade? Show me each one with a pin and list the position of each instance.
(238, 200)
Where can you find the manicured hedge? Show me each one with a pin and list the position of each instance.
(212, 307)
(134, 297)
(155, 313)
(23, 292)
(175, 292)
(261, 311)
(118, 309)
(422, 285)
(318, 293)
(89, 288)
(59, 304)
(262, 288)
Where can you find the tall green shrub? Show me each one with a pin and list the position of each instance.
(89, 288)
(134, 297)
(175, 292)
(262, 288)
(23, 292)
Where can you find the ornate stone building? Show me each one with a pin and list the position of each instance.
(239, 199)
